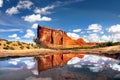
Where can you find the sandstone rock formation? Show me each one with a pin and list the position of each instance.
(57, 39)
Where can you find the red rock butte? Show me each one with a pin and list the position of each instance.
(52, 38)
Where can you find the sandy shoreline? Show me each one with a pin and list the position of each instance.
(42, 51)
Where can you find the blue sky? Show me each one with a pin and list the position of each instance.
(93, 20)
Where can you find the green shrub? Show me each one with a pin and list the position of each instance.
(109, 44)
(38, 43)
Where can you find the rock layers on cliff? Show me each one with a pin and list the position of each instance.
(57, 39)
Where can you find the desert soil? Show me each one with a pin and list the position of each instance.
(42, 51)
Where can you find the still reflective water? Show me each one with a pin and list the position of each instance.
(90, 67)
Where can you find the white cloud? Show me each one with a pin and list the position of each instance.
(89, 32)
(82, 32)
(115, 29)
(102, 32)
(27, 41)
(116, 38)
(36, 17)
(13, 62)
(29, 64)
(44, 18)
(17, 38)
(12, 10)
(26, 4)
(10, 30)
(73, 35)
(35, 72)
(29, 34)
(74, 60)
(93, 38)
(115, 66)
(1, 3)
(44, 10)
(34, 26)
(14, 36)
(105, 38)
(95, 27)
(77, 30)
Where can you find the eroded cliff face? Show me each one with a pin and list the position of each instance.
(57, 39)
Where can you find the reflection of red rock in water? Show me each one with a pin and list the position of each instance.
(67, 57)
(57, 60)
(54, 60)
(44, 62)
(57, 38)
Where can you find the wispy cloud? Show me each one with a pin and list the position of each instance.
(44, 10)
(39, 12)
(68, 2)
(77, 30)
(4, 23)
(26, 4)
(14, 36)
(12, 22)
(11, 30)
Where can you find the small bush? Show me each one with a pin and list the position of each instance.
(19, 43)
(28, 47)
(8, 42)
(14, 44)
(38, 43)
(21, 47)
(8, 48)
(11, 48)
(109, 44)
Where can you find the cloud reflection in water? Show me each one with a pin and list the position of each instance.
(95, 63)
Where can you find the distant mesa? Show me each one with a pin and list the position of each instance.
(52, 38)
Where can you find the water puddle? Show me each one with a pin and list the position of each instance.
(90, 67)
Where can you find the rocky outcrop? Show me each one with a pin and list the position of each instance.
(56, 38)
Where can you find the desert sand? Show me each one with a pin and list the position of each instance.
(43, 51)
